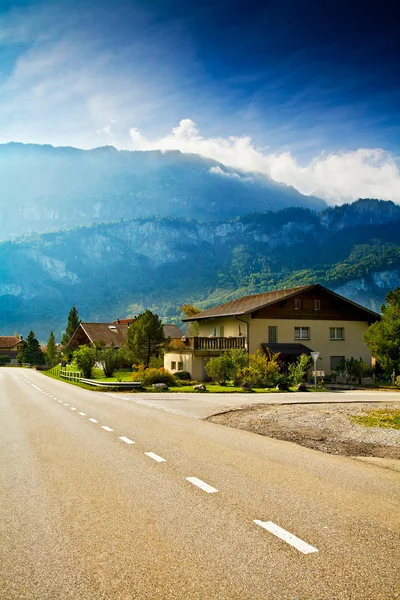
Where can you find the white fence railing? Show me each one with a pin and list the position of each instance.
(70, 375)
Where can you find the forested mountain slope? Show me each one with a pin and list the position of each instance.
(46, 188)
(116, 269)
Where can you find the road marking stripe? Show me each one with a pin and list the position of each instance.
(93, 420)
(287, 537)
(72, 408)
(60, 401)
(155, 457)
(202, 485)
(124, 439)
(83, 414)
(36, 387)
(106, 428)
(65, 404)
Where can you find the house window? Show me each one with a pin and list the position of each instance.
(335, 362)
(180, 366)
(336, 333)
(301, 333)
(317, 304)
(272, 334)
(173, 365)
(222, 332)
(297, 304)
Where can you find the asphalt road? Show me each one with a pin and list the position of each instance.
(87, 515)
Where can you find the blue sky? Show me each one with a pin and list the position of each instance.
(307, 92)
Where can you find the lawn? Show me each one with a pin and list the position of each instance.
(379, 418)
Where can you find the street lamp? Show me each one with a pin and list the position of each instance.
(314, 356)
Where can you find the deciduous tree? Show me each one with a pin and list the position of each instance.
(383, 337)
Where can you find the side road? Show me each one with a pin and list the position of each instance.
(201, 406)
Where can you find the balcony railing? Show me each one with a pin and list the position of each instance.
(218, 343)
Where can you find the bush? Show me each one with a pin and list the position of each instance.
(150, 376)
(220, 368)
(297, 371)
(183, 375)
(4, 360)
(263, 370)
(85, 359)
(397, 383)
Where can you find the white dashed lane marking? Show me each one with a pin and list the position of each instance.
(65, 404)
(36, 387)
(93, 420)
(82, 414)
(155, 457)
(202, 485)
(73, 408)
(124, 439)
(106, 428)
(60, 401)
(287, 537)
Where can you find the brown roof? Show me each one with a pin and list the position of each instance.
(124, 321)
(172, 331)
(248, 304)
(9, 341)
(109, 333)
(113, 333)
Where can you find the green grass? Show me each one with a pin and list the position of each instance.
(389, 419)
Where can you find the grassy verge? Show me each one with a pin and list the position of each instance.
(386, 418)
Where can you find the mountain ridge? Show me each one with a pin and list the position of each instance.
(62, 187)
(116, 269)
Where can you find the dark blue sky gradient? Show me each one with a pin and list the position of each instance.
(305, 76)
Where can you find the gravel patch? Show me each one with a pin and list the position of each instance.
(324, 427)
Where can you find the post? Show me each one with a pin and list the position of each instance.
(314, 356)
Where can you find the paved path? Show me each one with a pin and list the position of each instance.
(206, 404)
(90, 511)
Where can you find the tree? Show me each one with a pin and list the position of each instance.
(383, 337)
(188, 310)
(51, 351)
(4, 360)
(31, 352)
(85, 358)
(145, 337)
(110, 359)
(221, 368)
(73, 323)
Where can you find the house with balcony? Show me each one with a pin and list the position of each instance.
(291, 321)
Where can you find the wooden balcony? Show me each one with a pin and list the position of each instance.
(218, 343)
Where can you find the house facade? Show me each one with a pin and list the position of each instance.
(292, 322)
(10, 345)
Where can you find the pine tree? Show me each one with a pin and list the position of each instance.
(51, 352)
(31, 352)
(73, 323)
(145, 336)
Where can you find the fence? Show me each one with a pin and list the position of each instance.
(70, 375)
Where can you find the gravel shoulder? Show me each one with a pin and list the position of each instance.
(324, 427)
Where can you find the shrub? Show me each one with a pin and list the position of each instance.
(351, 367)
(397, 383)
(263, 370)
(85, 359)
(183, 375)
(150, 376)
(4, 360)
(220, 368)
(297, 371)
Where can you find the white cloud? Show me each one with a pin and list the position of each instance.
(337, 177)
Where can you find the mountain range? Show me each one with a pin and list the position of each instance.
(46, 188)
(117, 269)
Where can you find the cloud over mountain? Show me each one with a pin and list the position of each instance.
(336, 177)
